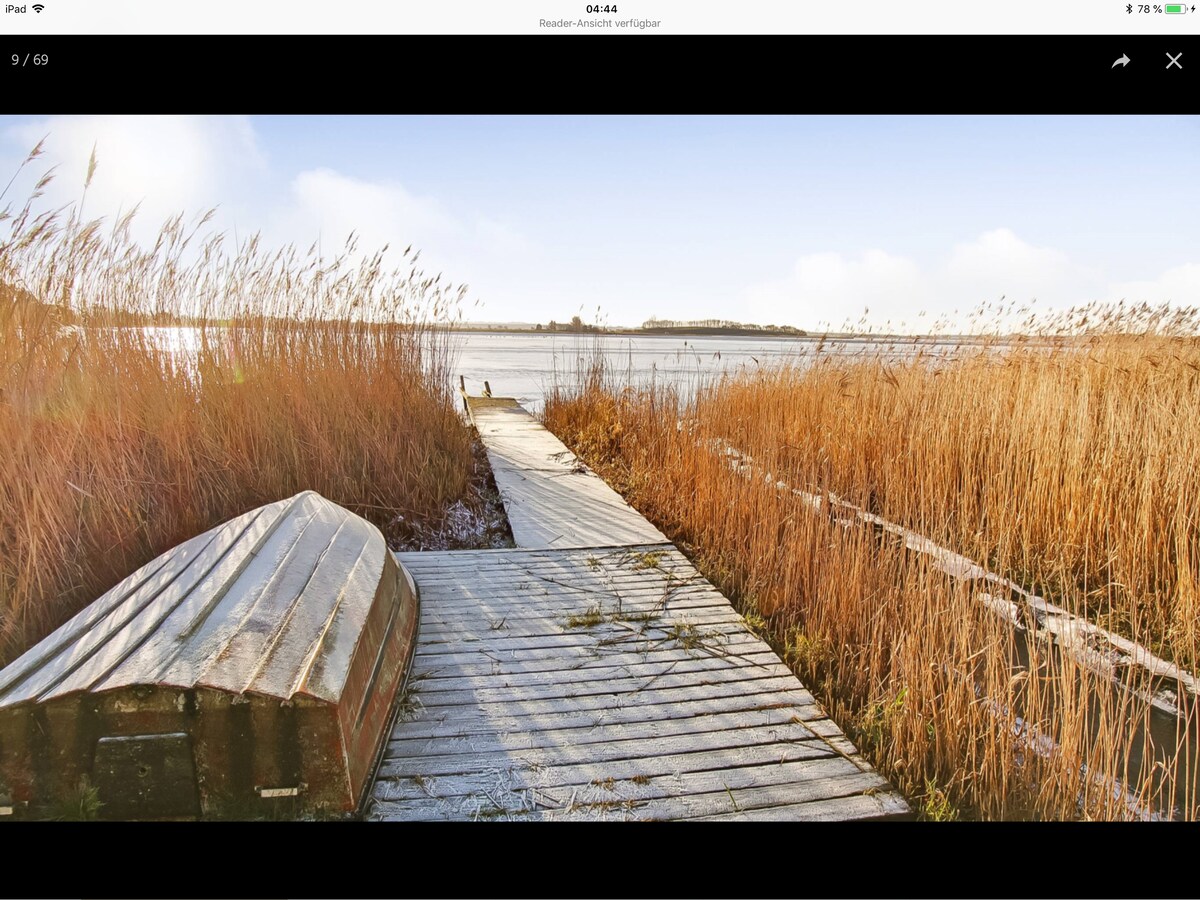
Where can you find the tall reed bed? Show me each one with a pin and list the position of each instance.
(267, 373)
(1067, 465)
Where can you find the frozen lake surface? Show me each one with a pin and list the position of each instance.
(525, 366)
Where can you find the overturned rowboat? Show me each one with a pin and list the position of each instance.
(255, 665)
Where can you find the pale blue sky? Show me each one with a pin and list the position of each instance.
(792, 220)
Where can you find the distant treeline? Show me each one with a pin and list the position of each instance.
(672, 326)
(715, 326)
(576, 325)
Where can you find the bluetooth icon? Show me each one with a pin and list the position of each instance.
(1129, 7)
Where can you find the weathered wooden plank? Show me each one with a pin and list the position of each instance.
(700, 627)
(650, 760)
(563, 588)
(673, 578)
(790, 801)
(604, 562)
(784, 739)
(645, 604)
(455, 721)
(765, 690)
(729, 636)
(599, 574)
(535, 595)
(572, 656)
(442, 655)
(697, 671)
(483, 667)
(538, 603)
(497, 745)
(623, 666)
(784, 798)
(767, 664)
(615, 559)
(555, 785)
(525, 619)
(508, 581)
(437, 559)
(565, 659)
(574, 614)
(808, 800)
(613, 693)
(540, 736)
(861, 806)
(511, 582)
(433, 694)
(647, 607)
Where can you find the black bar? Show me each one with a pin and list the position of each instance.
(599, 74)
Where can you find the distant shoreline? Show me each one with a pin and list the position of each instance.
(807, 337)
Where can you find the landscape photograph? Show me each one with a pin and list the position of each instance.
(599, 468)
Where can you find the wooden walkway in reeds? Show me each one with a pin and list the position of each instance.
(593, 673)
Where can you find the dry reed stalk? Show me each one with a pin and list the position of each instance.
(148, 394)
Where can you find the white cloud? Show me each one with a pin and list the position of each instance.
(334, 205)
(895, 293)
(830, 288)
(1180, 286)
(469, 248)
(998, 263)
(170, 164)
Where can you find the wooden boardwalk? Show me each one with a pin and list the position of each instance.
(552, 499)
(599, 681)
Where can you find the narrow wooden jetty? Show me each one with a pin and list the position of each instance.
(553, 500)
(593, 673)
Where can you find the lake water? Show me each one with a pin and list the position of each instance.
(525, 366)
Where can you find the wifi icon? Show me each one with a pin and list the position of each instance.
(38, 7)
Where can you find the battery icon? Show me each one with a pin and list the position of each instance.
(1175, 9)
